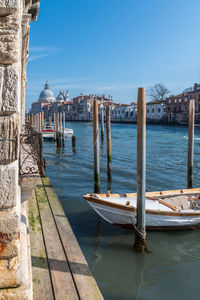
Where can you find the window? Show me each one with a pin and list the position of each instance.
(180, 100)
(190, 97)
(199, 97)
(159, 110)
(147, 110)
(152, 110)
(175, 101)
(169, 101)
(185, 100)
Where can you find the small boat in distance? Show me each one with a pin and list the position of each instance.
(49, 133)
(166, 210)
(68, 131)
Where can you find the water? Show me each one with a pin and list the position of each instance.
(172, 270)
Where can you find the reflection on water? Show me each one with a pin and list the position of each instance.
(172, 270)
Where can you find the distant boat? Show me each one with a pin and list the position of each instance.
(49, 133)
(167, 210)
(68, 131)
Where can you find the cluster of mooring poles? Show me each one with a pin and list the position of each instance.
(140, 229)
(42, 125)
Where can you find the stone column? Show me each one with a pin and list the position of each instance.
(10, 95)
(15, 16)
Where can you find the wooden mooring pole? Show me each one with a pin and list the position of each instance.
(42, 119)
(63, 129)
(191, 121)
(140, 232)
(50, 118)
(96, 147)
(40, 122)
(74, 143)
(58, 138)
(102, 126)
(108, 139)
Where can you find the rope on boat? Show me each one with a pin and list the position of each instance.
(141, 233)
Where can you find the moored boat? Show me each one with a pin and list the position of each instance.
(166, 210)
(68, 131)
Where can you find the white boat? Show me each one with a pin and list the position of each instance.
(68, 131)
(48, 132)
(166, 210)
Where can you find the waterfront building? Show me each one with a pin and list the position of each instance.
(119, 112)
(155, 111)
(131, 112)
(83, 104)
(177, 105)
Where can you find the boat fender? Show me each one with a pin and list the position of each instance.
(128, 203)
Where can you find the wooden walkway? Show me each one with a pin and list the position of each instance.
(59, 268)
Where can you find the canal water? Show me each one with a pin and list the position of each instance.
(172, 270)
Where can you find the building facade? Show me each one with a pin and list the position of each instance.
(177, 105)
(155, 111)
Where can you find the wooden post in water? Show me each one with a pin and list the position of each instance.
(102, 125)
(60, 124)
(74, 143)
(50, 120)
(191, 121)
(57, 131)
(40, 122)
(63, 129)
(96, 147)
(42, 119)
(108, 138)
(140, 232)
(57, 121)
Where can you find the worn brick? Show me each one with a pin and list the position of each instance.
(9, 127)
(1, 83)
(10, 89)
(9, 39)
(8, 187)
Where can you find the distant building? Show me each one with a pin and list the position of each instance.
(46, 97)
(177, 105)
(46, 94)
(155, 111)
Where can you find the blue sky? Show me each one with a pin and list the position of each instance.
(114, 46)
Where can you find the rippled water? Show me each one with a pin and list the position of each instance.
(172, 270)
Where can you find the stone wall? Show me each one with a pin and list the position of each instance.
(15, 16)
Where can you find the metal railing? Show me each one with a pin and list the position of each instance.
(30, 158)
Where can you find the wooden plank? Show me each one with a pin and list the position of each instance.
(42, 288)
(62, 280)
(85, 282)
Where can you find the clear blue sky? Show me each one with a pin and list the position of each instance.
(114, 46)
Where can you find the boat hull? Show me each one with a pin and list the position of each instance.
(155, 220)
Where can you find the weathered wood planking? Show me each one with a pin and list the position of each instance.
(85, 282)
(42, 288)
(62, 280)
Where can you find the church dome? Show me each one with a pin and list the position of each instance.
(46, 94)
(60, 97)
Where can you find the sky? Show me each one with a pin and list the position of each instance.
(112, 47)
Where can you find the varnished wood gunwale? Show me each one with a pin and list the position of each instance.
(94, 199)
(161, 228)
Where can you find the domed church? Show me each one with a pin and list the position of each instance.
(62, 96)
(46, 94)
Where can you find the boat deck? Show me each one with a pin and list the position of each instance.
(59, 268)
